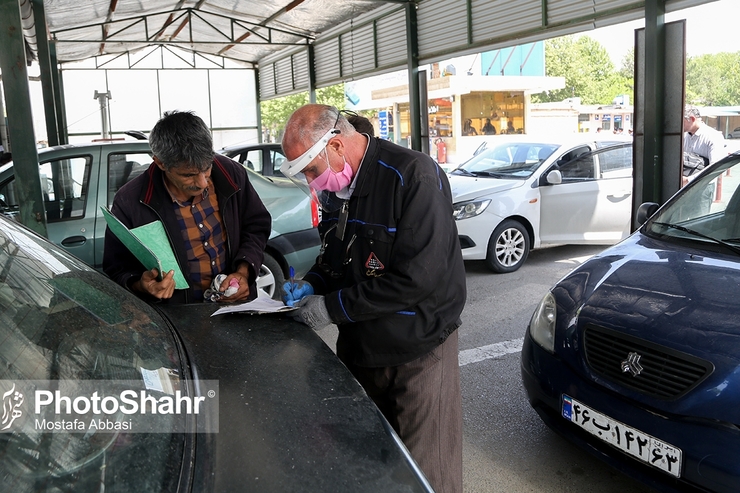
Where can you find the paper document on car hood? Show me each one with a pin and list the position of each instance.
(258, 306)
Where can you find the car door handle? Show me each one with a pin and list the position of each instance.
(74, 241)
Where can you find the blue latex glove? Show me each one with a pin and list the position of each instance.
(295, 291)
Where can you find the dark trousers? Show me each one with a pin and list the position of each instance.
(422, 401)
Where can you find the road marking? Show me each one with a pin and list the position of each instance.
(490, 352)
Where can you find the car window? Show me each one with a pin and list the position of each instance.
(61, 321)
(122, 168)
(277, 158)
(64, 185)
(252, 159)
(615, 162)
(577, 165)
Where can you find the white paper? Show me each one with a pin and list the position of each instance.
(259, 305)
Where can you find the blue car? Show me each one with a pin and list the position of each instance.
(635, 355)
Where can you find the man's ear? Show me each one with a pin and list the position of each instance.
(159, 163)
(337, 145)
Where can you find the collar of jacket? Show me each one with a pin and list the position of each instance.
(368, 166)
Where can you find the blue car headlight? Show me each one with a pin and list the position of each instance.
(464, 210)
(542, 325)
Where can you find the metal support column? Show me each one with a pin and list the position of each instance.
(423, 111)
(660, 61)
(311, 75)
(412, 56)
(45, 68)
(654, 91)
(20, 119)
(59, 103)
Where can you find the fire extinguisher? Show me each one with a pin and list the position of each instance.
(441, 151)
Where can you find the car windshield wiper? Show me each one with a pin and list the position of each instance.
(463, 171)
(724, 243)
(491, 174)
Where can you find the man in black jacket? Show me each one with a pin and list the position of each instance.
(214, 220)
(390, 275)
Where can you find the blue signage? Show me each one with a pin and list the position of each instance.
(383, 124)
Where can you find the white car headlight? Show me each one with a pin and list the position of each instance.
(542, 325)
(464, 210)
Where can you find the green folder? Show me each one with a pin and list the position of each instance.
(149, 244)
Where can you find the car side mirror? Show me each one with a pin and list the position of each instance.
(645, 211)
(554, 177)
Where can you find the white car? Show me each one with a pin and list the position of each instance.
(522, 192)
(735, 134)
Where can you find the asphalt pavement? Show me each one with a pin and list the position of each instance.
(506, 447)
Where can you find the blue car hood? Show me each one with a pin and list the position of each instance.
(644, 284)
(675, 296)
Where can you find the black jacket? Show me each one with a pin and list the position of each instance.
(145, 199)
(395, 285)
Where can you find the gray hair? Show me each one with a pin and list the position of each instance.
(309, 127)
(180, 138)
(691, 111)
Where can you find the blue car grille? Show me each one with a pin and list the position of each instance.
(652, 369)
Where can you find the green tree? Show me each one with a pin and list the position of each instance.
(587, 69)
(713, 80)
(275, 112)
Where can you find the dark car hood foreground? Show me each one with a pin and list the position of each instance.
(682, 298)
(291, 416)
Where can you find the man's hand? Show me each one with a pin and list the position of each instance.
(312, 312)
(242, 277)
(149, 284)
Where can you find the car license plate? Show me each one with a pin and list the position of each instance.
(629, 440)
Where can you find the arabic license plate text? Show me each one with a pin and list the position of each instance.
(629, 440)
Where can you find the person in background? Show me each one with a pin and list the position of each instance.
(488, 128)
(468, 128)
(361, 124)
(214, 219)
(701, 139)
(510, 127)
(390, 276)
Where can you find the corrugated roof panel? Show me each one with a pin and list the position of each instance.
(358, 50)
(284, 74)
(392, 39)
(441, 24)
(493, 20)
(300, 70)
(267, 81)
(559, 11)
(327, 61)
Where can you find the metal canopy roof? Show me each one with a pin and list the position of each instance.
(243, 30)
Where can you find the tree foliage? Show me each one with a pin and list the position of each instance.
(588, 71)
(275, 112)
(713, 80)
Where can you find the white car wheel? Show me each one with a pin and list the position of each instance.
(508, 247)
(270, 279)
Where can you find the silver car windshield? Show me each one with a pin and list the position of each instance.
(515, 160)
(707, 210)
